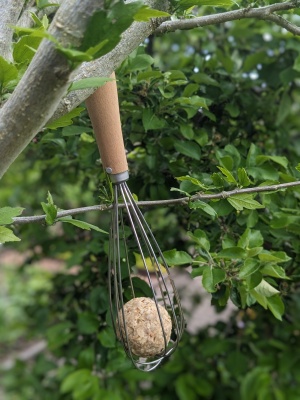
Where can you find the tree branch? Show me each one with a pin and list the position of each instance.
(104, 66)
(9, 14)
(264, 13)
(45, 82)
(25, 19)
(184, 200)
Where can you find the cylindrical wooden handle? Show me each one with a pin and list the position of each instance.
(103, 109)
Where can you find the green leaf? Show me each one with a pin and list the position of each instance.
(283, 161)
(274, 270)
(229, 177)
(8, 72)
(174, 257)
(244, 200)
(186, 131)
(89, 83)
(7, 235)
(276, 306)
(107, 337)
(249, 267)
(274, 256)
(185, 4)
(81, 224)
(140, 62)
(254, 280)
(200, 238)
(232, 253)
(73, 130)
(50, 210)
(74, 379)
(145, 13)
(265, 289)
(203, 206)
(194, 181)
(24, 49)
(66, 119)
(8, 213)
(151, 121)
(87, 323)
(243, 178)
(194, 101)
(211, 277)
(189, 149)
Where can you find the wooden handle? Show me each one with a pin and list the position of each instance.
(103, 109)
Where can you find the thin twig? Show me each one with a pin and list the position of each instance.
(183, 200)
(264, 13)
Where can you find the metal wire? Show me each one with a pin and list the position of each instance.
(121, 268)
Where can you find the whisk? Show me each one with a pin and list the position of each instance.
(148, 327)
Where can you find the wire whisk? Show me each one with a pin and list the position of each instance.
(146, 314)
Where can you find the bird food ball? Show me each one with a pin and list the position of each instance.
(144, 328)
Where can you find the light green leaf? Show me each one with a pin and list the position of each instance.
(274, 270)
(211, 277)
(265, 289)
(232, 253)
(229, 177)
(243, 178)
(66, 119)
(274, 256)
(194, 101)
(8, 213)
(189, 149)
(283, 161)
(174, 257)
(194, 181)
(145, 13)
(24, 49)
(74, 55)
(254, 280)
(276, 306)
(185, 4)
(204, 207)
(8, 72)
(7, 235)
(89, 83)
(244, 200)
(249, 267)
(74, 379)
(140, 62)
(261, 299)
(200, 238)
(50, 210)
(81, 224)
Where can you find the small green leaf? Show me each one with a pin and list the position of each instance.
(8, 72)
(151, 121)
(274, 256)
(200, 238)
(194, 181)
(8, 213)
(249, 267)
(66, 119)
(185, 4)
(211, 277)
(204, 207)
(190, 149)
(24, 49)
(229, 177)
(174, 257)
(74, 55)
(140, 62)
(274, 270)
(243, 178)
(265, 289)
(241, 201)
(232, 253)
(74, 379)
(89, 83)
(81, 224)
(107, 337)
(7, 235)
(145, 13)
(283, 161)
(276, 306)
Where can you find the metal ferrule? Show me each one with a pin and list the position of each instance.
(119, 178)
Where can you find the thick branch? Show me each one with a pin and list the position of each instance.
(9, 14)
(44, 83)
(25, 19)
(264, 13)
(104, 66)
(184, 200)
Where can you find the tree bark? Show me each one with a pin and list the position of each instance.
(44, 83)
(9, 14)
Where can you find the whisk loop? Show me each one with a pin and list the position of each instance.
(161, 285)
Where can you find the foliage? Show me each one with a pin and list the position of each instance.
(202, 111)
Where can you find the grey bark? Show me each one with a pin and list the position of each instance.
(9, 13)
(25, 19)
(44, 83)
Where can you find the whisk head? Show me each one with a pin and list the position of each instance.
(148, 328)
